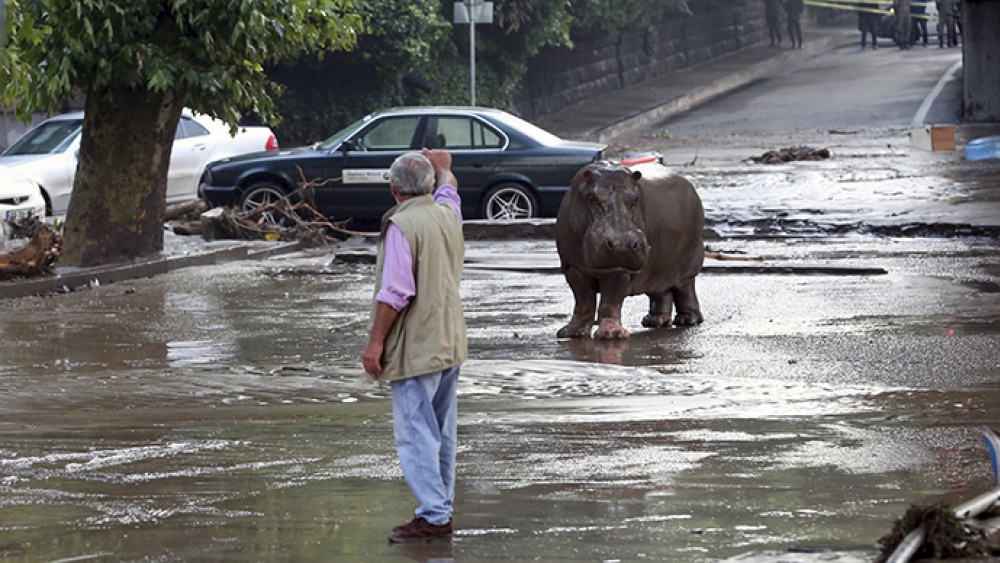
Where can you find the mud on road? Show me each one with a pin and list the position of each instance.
(220, 413)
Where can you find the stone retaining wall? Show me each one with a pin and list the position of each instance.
(558, 78)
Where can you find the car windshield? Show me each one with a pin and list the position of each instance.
(51, 137)
(341, 135)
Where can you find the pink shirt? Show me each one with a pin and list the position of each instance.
(398, 284)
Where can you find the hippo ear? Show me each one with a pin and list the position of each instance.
(636, 175)
(582, 178)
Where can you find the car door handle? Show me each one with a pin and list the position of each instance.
(477, 165)
(199, 147)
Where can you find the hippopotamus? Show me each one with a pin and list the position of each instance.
(624, 231)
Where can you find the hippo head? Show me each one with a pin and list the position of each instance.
(608, 197)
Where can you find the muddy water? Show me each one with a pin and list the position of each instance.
(220, 414)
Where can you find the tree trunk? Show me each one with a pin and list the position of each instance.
(119, 196)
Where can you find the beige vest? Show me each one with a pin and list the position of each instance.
(428, 334)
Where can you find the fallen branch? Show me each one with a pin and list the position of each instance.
(791, 153)
(293, 217)
(35, 259)
(186, 210)
(722, 256)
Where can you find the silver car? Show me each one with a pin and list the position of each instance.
(48, 154)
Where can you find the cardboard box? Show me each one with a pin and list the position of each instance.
(933, 137)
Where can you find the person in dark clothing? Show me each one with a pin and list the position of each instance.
(772, 13)
(918, 9)
(868, 20)
(946, 23)
(901, 8)
(957, 16)
(793, 15)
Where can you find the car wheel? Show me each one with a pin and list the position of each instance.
(260, 195)
(509, 201)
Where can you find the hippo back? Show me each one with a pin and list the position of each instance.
(675, 224)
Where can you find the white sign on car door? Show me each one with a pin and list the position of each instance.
(369, 176)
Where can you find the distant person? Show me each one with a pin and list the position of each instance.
(417, 338)
(868, 23)
(793, 15)
(957, 16)
(772, 14)
(946, 23)
(918, 10)
(901, 8)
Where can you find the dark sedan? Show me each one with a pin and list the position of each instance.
(506, 167)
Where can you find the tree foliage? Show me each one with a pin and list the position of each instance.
(417, 37)
(210, 53)
(324, 92)
(139, 62)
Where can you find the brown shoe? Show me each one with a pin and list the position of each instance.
(419, 529)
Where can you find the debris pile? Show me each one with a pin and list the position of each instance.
(789, 154)
(291, 218)
(944, 535)
(937, 531)
(38, 257)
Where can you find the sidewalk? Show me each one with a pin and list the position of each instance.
(607, 116)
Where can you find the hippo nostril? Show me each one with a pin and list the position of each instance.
(610, 244)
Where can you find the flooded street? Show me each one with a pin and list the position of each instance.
(220, 413)
(846, 365)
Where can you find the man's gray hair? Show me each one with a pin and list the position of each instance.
(412, 174)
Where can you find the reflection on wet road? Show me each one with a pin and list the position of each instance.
(220, 413)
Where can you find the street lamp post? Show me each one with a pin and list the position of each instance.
(3, 23)
(473, 12)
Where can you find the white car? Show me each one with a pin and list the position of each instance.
(48, 154)
(20, 196)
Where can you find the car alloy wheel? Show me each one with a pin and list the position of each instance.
(261, 195)
(510, 201)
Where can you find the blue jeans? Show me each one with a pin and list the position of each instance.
(425, 424)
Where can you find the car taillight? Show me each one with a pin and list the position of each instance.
(272, 143)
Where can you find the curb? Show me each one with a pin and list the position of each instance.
(71, 280)
(481, 229)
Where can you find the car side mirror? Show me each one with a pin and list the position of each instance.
(347, 145)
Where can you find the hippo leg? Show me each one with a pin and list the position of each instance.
(686, 301)
(660, 307)
(585, 294)
(614, 289)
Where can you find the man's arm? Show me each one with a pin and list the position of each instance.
(398, 288)
(372, 358)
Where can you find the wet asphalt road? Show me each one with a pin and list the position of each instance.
(220, 413)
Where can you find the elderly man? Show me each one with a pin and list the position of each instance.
(417, 339)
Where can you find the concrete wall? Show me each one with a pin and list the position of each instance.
(558, 78)
(981, 60)
(12, 128)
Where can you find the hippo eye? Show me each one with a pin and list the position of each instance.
(630, 198)
(594, 202)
